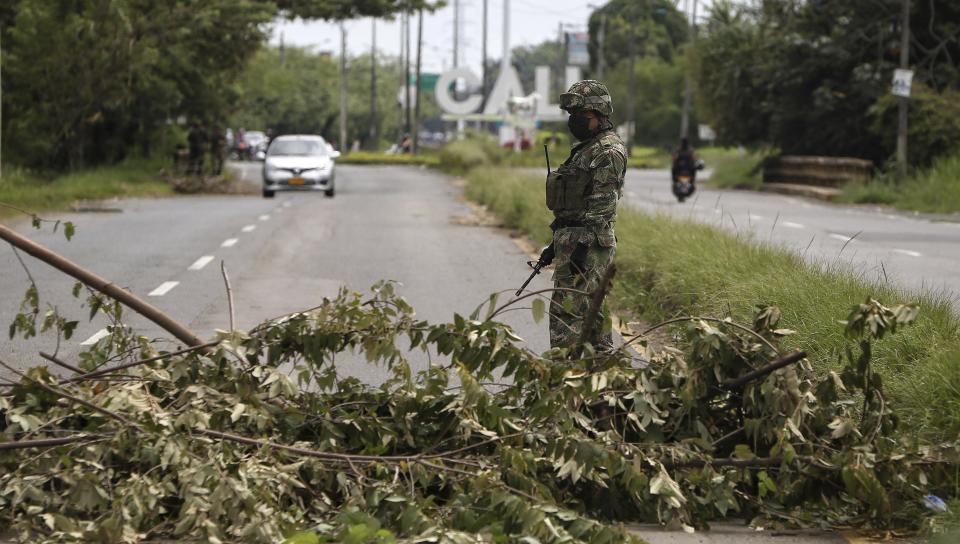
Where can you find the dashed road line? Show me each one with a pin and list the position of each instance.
(229, 242)
(201, 262)
(248, 228)
(908, 252)
(95, 338)
(163, 289)
(755, 217)
(792, 225)
(286, 204)
(841, 237)
(264, 217)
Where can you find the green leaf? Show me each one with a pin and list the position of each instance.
(69, 230)
(539, 309)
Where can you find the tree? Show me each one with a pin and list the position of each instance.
(804, 76)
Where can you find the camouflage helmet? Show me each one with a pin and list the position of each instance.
(588, 94)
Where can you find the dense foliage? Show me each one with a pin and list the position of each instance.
(297, 91)
(90, 82)
(259, 436)
(805, 76)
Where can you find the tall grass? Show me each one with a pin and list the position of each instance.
(669, 267)
(734, 168)
(30, 191)
(934, 190)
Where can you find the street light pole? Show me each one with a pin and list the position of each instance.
(374, 120)
(601, 39)
(343, 88)
(484, 56)
(688, 83)
(904, 101)
(416, 118)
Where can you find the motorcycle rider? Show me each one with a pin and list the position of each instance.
(684, 158)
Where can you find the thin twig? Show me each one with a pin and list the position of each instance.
(98, 373)
(60, 393)
(704, 318)
(53, 359)
(528, 295)
(226, 282)
(48, 442)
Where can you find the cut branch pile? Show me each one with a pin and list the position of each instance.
(259, 437)
(255, 437)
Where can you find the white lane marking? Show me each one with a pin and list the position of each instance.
(792, 225)
(229, 242)
(908, 252)
(95, 338)
(163, 288)
(201, 262)
(286, 204)
(755, 217)
(248, 228)
(841, 237)
(264, 217)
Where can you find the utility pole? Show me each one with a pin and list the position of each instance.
(558, 73)
(1, 106)
(344, 147)
(904, 101)
(406, 78)
(631, 89)
(602, 39)
(505, 61)
(416, 117)
(688, 81)
(456, 33)
(374, 120)
(484, 57)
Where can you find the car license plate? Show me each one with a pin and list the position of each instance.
(684, 179)
(295, 181)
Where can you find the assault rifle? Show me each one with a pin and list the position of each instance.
(546, 256)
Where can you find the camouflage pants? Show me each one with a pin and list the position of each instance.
(580, 264)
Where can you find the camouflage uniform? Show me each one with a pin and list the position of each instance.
(583, 194)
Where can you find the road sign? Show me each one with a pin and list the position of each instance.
(902, 82)
(577, 53)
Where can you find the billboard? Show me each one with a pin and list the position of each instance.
(577, 52)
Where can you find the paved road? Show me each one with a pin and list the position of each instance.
(913, 250)
(282, 255)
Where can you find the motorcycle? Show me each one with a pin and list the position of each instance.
(684, 174)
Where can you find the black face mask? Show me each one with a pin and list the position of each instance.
(579, 126)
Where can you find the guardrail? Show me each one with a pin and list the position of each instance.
(820, 171)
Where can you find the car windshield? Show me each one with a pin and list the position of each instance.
(297, 148)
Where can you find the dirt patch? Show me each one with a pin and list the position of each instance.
(217, 185)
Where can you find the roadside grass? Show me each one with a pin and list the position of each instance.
(669, 267)
(373, 157)
(35, 193)
(933, 190)
(733, 168)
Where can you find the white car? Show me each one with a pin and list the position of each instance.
(299, 163)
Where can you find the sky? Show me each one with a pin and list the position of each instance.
(531, 22)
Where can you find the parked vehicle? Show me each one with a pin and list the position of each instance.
(299, 163)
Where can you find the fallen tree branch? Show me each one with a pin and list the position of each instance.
(226, 282)
(102, 285)
(102, 372)
(78, 400)
(776, 364)
(61, 363)
(47, 442)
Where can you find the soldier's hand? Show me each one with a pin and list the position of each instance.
(546, 256)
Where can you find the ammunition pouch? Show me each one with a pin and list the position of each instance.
(568, 188)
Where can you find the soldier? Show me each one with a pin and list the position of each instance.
(583, 194)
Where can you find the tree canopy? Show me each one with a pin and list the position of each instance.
(807, 76)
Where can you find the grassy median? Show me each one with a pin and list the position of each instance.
(935, 189)
(25, 190)
(669, 267)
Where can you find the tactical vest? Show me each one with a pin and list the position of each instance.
(568, 188)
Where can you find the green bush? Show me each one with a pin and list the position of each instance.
(934, 123)
(734, 169)
(717, 273)
(369, 157)
(935, 189)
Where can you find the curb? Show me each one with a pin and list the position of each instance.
(795, 189)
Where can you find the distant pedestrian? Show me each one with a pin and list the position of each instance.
(197, 143)
(218, 150)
